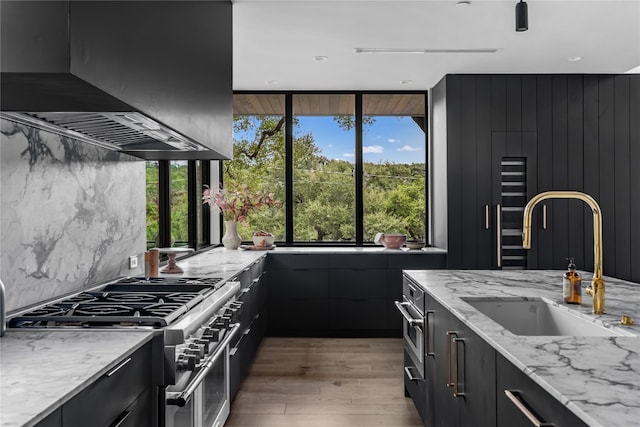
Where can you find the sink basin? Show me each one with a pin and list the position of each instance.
(539, 316)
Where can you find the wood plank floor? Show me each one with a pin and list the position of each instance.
(325, 382)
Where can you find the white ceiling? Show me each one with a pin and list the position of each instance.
(275, 41)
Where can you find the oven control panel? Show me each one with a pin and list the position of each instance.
(204, 341)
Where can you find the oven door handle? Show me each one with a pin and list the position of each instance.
(413, 322)
(180, 398)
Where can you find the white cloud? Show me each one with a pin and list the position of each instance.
(329, 145)
(392, 140)
(408, 148)
(348, 154)
(373, 149)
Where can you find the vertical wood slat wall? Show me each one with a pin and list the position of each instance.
(586, 132)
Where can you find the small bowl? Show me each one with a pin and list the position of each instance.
(393, 241)
(414, 244)
(263, 241)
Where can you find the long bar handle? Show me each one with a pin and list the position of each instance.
(499, 235)
(120, 366)
(486, 217)
(456, 385)
(514, 397)
(412, 322)
(544, 217)
(180, 398)
(428, 338)
(449, 340)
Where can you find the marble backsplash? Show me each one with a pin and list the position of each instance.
(71, 214)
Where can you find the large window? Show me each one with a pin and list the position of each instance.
(394, 146)
(175, 215)
(323, 168)
(345, 165)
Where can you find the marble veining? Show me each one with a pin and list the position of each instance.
(41, 370)
(597, 378)
(71, 213)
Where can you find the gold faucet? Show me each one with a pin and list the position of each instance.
(596, 289)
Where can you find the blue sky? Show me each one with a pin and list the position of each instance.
(393, 139)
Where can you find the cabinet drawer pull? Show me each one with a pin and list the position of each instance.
(514, 397)
(428, 337)
(449, 335)
(456, 385)
(544, 217)
(499, 235)
(410, 375)
(117, 368)
(486, 217)
(121, 419)
(407, 316)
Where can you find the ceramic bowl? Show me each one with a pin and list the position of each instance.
(414, 244)
(393, 241)
(263, 241)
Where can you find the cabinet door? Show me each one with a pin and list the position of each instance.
(517, 395)
(463, 366)
(53, 420)
(107, 399)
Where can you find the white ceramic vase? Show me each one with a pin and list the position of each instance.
(231, 238)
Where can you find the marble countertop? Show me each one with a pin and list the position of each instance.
(41, 370)
(597, 378)
(223, 263)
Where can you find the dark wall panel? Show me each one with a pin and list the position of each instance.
(634, 173)
(575, 168)
(455, 183)
(606, 152)
(622, 195)
(471, 208)
(591, 185)
(483, 169)
(560, 161)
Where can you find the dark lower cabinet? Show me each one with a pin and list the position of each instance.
(53, 420)
(254, 295)
(520, 401)
(123, 396)
(460, 370)
(415, 388)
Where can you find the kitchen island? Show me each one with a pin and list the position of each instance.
(596, 378)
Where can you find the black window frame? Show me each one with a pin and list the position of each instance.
(359, 165)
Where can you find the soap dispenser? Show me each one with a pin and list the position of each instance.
(572, 285)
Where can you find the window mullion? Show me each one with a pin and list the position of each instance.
(288, 173)
(164, 204)
(359, 181)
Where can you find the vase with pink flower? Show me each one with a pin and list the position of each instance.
(235, 206)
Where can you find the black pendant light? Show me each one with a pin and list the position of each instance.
(522, 16)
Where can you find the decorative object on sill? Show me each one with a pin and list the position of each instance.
(390, 240)
(235, 206)
(414, 244)
(231, 238)
(172, 267)
(263, 239)
(257, 248)
(522, 16)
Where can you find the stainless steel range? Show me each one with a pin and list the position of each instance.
(197, 318)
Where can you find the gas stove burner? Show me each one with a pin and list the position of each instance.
(81, 298)
(159, 309)
(179, 297)
(49, 310)
(127, 297)
(142, 280)
(199, 281)
(102, 310)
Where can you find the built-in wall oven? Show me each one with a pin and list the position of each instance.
(412, 308)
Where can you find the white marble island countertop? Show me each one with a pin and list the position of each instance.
(597, 378)
(41, 370)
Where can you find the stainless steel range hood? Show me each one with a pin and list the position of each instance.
(149, 78)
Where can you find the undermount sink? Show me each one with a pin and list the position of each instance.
(539, 316)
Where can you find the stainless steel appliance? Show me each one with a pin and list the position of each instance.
(197, 319)
(415, 320)
(412, 310)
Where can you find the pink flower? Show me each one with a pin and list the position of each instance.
(236, 205)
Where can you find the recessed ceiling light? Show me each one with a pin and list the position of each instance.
(271, 82)
(406, 82)
(463, 4)
(574, 58)
(320, 58)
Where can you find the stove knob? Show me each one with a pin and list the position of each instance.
(197, 350)
(186, 362)
(204, 343)
(227, 321)
(211, 334)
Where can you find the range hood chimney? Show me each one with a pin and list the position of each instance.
(148, 78)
